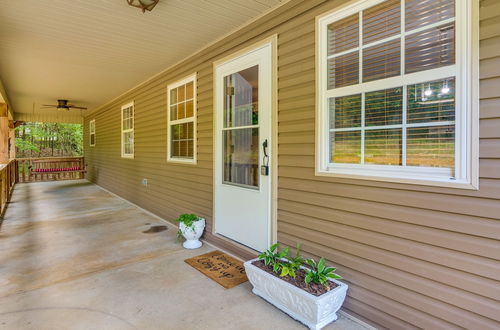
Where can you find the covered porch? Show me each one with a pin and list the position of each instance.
(73, 252)
(366, 132)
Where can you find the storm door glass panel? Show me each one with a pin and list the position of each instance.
(241, 128)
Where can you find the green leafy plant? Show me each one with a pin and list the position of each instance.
(292, 265)
(188, 220)
(273, 257)
(48, 140)
(319, 273)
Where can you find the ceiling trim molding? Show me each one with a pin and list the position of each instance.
(48, 118)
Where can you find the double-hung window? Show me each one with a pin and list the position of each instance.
(92, 133)
(181, 115)
(396, 92)
(128, 130)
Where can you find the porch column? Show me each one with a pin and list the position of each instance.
(12, 139)
(4, 133)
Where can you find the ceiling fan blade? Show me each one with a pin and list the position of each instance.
(75, 107)
(48, 106)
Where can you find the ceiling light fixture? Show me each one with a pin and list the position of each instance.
(428, 91)
(445, 89)
(143, 4)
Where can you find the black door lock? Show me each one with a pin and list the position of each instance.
(264, 170)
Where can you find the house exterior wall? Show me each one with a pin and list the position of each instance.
(413, 256)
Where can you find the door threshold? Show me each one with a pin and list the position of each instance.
(230, 246)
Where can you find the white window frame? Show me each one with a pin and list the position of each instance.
(123, 131)
(467, 115)
(191, 78)
(92, 132)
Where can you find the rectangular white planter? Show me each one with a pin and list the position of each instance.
(313, 311)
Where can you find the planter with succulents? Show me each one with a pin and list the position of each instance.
(307, 290)
(191, 228)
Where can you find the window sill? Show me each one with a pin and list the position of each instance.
(416, 178)
(128, 156)
(185, 161)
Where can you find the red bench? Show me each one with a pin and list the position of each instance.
(63, 169)
(57, 166)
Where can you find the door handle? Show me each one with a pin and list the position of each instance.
(264, 148)
(264, 169)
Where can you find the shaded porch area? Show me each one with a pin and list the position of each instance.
(75, 256)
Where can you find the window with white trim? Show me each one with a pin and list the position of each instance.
(395, 81)
(128, 130)
(182, 120)
(92, 133)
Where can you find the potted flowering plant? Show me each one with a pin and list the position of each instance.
(307, 290)
(191, 228)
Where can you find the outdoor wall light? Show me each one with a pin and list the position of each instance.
(143, 4)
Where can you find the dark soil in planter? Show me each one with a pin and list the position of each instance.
(298, 281)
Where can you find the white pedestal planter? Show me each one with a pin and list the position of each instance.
(192, 234)
(313, 311)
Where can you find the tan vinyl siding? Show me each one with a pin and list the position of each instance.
(414, 256)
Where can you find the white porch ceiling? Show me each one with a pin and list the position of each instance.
(91, 51)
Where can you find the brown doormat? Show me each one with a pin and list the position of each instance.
(220, 267)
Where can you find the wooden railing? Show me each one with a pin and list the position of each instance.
(8, 173)
(50, 169)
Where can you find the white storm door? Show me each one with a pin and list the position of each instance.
(243, 147)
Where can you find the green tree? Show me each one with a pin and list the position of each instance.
(49, 139)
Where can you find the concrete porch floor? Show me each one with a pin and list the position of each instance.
(73, 256)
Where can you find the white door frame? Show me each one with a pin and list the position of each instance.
(273, 42)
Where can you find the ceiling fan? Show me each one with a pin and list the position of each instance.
(62, 105)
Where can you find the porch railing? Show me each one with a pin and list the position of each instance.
(8, 173)
(50, 169)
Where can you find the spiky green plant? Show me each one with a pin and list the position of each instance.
(292, 265)
(319, 273)
(273, 257)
